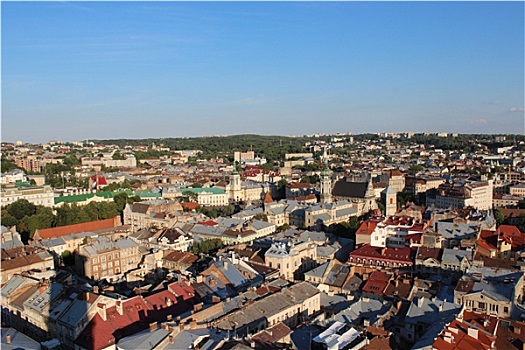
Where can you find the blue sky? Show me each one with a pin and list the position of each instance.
(86, 70)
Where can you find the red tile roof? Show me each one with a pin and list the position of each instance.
(460, 339)
(209, 223)
(367, 227)
(377, 282)
(77, 228)
(137, 314)
(190, 205)
(397, 255)
(99, 180)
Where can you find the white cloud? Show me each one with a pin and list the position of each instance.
(480, 121)
(516, 109)
(494, 102)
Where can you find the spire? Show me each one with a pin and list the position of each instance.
(268, 198)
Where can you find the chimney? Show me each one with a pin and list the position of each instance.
(119, 307)
(102, 311)
(169, 318)
(226, 265)
(8, 339)
(215, 299)
(95, 289)
(213, 282)
(170, 339)
(181, 327)
(42, 288)
(197, 307)
(153, 326)
(193, 324)
(473, 333)
(168, 302)
(199, 279)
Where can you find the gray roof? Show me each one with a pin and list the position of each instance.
(424, 310)
(270, 305)
(499, 292)
(52, 242)
(318, 271)
(228, 222)
(10, 239)
(144, 340)
(454, 256)
(450, 230)
(18, 340)
(75, 312)
(207, 230)
(363, 308)
(186, 338)
(346, 211)
(247, 213)
(104, 244)
(314, 236)
(231, 272)
(260, 225)
(15, 282)
(38, 302)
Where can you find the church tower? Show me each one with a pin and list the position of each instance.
(326, 185)
(369, 200)
(235, 184)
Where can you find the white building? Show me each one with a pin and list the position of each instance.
(41, 195)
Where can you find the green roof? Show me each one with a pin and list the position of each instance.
(82, 197)
(213, 190)
(23, 184)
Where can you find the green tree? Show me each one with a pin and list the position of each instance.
(261, 216)
(381, 207)
(415, 168)
(8, 220)
(208, 246)
(68, 258)
(283, 228)
(281, 188)
(117, 156)
(500, 218)
(21, 208)
(43, 218)
(7, 165)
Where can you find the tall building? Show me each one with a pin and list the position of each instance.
(326, 185)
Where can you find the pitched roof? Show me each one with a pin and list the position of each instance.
(343, 188)
(76, 228)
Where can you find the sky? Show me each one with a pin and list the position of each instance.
(73, 71)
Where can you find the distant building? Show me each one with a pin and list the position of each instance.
(42, 195)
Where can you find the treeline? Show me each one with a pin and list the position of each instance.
(28, 217)
(272, 148)
(206, 247)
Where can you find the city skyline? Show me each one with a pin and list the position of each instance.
(97, 70)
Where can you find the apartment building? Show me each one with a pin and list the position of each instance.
(102, 258)
(38, 195)
(292, 260)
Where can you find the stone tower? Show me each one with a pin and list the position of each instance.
(326, 185)
(235, 185)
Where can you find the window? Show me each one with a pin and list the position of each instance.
(506, 309)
